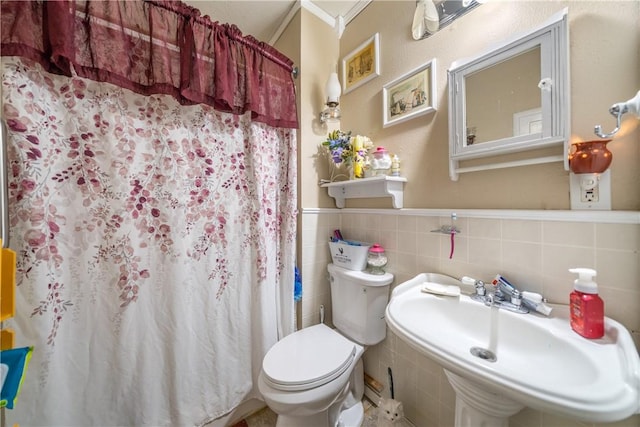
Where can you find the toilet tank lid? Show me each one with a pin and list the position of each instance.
(308, 358)
(362, 277)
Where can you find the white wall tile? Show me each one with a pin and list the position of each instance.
(389, 222)
(407, 223)
(488, 228)
(523, 231)
(568, 233)
(407, 241)
(618, 236)
(485, 252)
(618, 278)
(428, 244)
(424, 224)
(534, 254)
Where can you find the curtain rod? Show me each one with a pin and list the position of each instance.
(295, 71)
(231, 30)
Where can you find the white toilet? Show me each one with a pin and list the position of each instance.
(314, 377)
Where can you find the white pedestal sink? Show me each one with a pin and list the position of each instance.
(539, 361)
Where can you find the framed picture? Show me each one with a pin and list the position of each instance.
(410, 95)
(362, 64)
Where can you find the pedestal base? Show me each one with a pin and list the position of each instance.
(477, 407)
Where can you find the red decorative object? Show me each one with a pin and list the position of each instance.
(590, 156)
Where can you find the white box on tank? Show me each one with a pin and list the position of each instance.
(348, 256)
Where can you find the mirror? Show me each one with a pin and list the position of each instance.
(511, 99)
(500, 93)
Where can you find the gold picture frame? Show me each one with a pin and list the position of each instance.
(410, 95)
(362, 64)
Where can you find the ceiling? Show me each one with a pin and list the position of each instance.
(265, 20)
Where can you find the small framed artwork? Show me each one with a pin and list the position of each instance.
(362, 64)
(410, 95)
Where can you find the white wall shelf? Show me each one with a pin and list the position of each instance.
(377, 186)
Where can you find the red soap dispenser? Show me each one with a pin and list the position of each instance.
(587, 308)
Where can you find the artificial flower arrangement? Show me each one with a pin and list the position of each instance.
(348, 151)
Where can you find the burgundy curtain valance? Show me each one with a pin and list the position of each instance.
(154, 47)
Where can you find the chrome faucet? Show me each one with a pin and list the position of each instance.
(499, 298)
(507, 296)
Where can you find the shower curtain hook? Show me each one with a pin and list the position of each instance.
(617, 110)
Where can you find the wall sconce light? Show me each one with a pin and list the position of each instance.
(590, 180)
(333, 91)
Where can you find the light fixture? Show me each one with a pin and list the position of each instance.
(333, 91)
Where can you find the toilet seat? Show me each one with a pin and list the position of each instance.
(307, 359)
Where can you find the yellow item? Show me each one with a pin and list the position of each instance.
(357, 169)
(358, 143)
(6, 339)
(7, 283)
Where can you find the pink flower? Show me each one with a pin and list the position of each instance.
(16, 125)
(53, 227)
(28, 185)
(80, 84)
(35, 238)
(43, 254)
(34, 153)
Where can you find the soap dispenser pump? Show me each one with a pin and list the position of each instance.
(586, 306)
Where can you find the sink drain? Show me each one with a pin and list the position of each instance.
(484, 354)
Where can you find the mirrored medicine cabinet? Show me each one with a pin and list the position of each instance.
(511, 99)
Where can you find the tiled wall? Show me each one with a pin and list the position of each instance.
(534, 254)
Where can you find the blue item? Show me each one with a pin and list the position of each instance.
(346, 242)
(503, 284)
(297, 286)
(17, 360)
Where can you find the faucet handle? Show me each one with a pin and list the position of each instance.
(533, 296)
(516, 298)
(478, 284)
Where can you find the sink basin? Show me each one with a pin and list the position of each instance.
(540, 361)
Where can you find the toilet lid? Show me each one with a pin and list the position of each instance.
(308, 358)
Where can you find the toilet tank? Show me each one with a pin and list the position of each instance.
(358, 302)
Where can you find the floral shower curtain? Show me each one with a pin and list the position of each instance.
(155, 231)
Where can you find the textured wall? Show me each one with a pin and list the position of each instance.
(604, 60)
